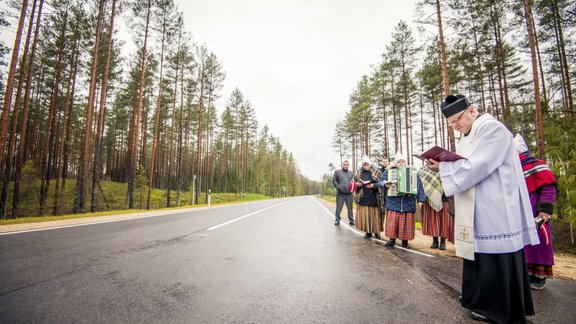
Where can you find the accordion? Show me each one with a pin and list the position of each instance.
(404, 181)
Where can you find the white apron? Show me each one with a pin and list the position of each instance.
(464, 202)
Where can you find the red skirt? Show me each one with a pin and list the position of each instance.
(540, 270)
(436, 223)
(400, 225)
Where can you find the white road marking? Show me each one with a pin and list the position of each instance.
(357, 232)
(72, 225)
(248, 215)
(126, 217)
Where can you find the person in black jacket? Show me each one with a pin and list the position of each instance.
(368, 217)
(341, 181)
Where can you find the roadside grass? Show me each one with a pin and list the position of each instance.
(111, 200)
(35, 219)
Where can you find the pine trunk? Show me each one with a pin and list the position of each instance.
(537, 102)
(15, 112)
(394, 113)
(45, 159)
(198, 163)
(102, 112)
(80, 204)
(58, 195)
(21, 156)
(445, 80)
(564, 67)
(10, 84)
(155, 139)
(136, 116)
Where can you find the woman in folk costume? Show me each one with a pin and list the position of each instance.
(400, 209)
(542, 189)
(368, 218)
(436, 221)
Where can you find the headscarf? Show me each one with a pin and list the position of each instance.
(366, 159)
(399, 156)
(520, 144)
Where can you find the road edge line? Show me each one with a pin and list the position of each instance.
(357, 232)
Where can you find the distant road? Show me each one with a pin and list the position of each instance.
(275, 261)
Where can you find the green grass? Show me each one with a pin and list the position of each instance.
(115, 197)
(331, 199)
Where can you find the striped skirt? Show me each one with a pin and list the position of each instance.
(541, 271)
(436, 223)
(400, 225)
(369, 219)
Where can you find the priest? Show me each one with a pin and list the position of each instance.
(493, 215)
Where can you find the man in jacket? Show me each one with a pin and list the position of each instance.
(341, 181)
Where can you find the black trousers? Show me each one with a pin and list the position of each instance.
(340, 200)
(497, 286)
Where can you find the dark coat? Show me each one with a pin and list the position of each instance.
(341, 181)
(369, 196)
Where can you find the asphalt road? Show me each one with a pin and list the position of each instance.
(277, 261)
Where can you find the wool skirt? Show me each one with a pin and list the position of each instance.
(435, 223)
(497, 286)
(541, 271)
(400, 225)
(369, 219)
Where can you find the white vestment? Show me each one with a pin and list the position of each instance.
(490, 182)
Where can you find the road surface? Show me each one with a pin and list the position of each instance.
(275, 261)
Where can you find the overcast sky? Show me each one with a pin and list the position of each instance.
(296, 61)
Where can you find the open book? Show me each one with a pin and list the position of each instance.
(439, 154)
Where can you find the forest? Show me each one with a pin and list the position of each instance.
(81, 115)
(513, 59)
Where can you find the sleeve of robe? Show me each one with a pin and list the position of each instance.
(484, 156)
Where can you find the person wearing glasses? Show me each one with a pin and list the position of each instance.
(493, 215)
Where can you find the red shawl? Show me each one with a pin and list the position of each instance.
(536, 172)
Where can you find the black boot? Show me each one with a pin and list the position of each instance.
(442, 243)
(368, 235)
(538, 284)
(405, 243)
(434, 243)
(391, 242)
(377, 236)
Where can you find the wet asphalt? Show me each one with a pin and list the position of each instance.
(276, 261)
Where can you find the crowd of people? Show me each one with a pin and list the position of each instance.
(494, 205)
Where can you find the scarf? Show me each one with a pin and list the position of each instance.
(432, 186)
(536, 172)
(376, 174)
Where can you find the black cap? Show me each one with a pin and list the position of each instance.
(454, 104)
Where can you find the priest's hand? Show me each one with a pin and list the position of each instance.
(433, 165)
